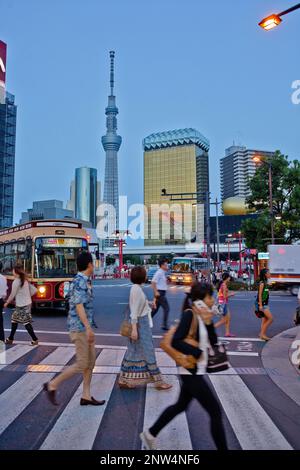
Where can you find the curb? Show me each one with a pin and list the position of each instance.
(276, 359)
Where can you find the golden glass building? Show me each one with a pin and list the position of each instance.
(176, 161)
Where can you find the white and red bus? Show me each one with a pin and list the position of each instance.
(47, 249)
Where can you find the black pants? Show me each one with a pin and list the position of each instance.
(162, 301)
(28, 326)
(1, 320)
(195, 386)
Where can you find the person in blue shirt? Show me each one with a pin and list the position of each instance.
(80, 321)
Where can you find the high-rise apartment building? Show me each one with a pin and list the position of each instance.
(8, 117)
(176, 161)
(237, 167)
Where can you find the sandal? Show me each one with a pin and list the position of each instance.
(163, 386)
(9, 341)
(265, 338)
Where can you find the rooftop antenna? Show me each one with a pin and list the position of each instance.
(112, 71)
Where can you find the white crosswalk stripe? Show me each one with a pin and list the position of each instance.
(66, 434)
(253, 427)
(19, 395)
(176, 435)
(13, 354)
(251, 424)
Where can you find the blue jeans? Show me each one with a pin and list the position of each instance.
(162, 301)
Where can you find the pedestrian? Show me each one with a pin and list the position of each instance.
(159, 285)
(223, 298)
(22, 292)
(262, 303)
(193, 382)
(80, 319)
(139, 365)
(3, 294)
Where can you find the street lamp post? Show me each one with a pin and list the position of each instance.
(265, 161)
(240, 254)
(120, 242)
(274, 20)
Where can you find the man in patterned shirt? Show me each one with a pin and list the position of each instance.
(80, 320)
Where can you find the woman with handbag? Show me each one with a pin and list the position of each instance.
(139, 364)
(193, 383)
(21, 291)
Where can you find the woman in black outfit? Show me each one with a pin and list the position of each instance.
(193, 383)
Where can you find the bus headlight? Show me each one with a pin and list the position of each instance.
(41, 292)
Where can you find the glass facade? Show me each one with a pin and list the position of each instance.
(179, 167)
(86, 194)
(8, 117)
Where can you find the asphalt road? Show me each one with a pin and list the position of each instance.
(257, 414)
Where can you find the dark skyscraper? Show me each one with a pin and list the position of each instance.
(8, 116)
(111, 142)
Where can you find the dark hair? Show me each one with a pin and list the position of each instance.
(83, 260)
(138, 275)
(162, 261)
(262, 275)
(224, 277)
(21, 273)
(199, 291)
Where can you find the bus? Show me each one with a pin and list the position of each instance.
(47, 250)
(185, 270)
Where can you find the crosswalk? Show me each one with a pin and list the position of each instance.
(69, 426)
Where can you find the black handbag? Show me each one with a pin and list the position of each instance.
(217, 360)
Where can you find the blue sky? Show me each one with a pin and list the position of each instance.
(179, 63)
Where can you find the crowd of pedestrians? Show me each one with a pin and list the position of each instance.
(192, 338)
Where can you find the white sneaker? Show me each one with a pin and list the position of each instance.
(148, 440)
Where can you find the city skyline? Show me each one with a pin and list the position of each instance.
(225, 106)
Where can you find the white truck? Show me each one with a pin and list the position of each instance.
(284, 266)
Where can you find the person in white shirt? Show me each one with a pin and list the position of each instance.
(21, 292)
(139, 365)
(3, 293)
(160, 286)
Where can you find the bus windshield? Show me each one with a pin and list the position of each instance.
(181, 265)
(55, 257)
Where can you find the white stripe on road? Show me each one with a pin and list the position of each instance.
(14, 353)
(176, 435)
(77, 426)
(110, 357)
(19, 395)
(117, 335)
(252, 426)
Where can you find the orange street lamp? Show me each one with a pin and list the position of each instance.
(270, 22)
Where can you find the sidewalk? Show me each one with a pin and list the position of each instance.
(280, 360)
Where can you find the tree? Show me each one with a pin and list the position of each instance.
(286, 204)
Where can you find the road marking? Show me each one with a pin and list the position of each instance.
(19, 395)
(12, 354)
(117, 335)
(111, 357)
(97, 286)
(67, 434)
(107, 346)
(176, 435)
(252, 426)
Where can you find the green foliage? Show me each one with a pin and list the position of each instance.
(286, 204)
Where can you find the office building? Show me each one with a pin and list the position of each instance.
(8, 117)
(176, 161)
(50, 209)
(85, 195)
(237, 167)
(111, 142)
